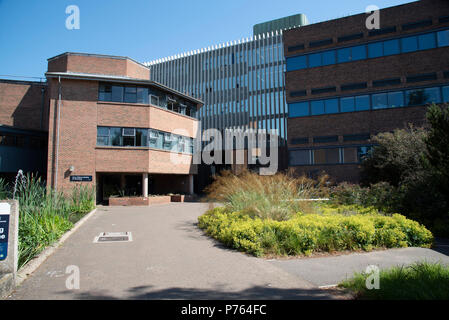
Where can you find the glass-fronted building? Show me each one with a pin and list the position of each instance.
(241, 83)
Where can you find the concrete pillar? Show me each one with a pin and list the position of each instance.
(191, 184)
(145, 185)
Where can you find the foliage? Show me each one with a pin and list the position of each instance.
(308, 233)
(45, 215)
(420, 281)
(275, 197)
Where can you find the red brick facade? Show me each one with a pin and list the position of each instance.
(362, 71)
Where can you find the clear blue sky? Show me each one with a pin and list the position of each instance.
(33, 30)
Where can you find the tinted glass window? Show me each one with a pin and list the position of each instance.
(350, 155)
(344, 55)
(363, 152)
(130, 94)
(105, 93)
(446, 94)
(299, 157)
(296, 63)
(380, 101)
(317, 107)
(142, 95)
(395, 99)
(358, 53)
(116, 136)
(426, 41)
(409, 44)
(314, 60)
(375, 50)
(328, 58)
(391, 47)
(331, 105)
(443, 38)
(117, 94)
(347, 104)
(432, 95)
(103, 131)
(362, 103)
(299, 109)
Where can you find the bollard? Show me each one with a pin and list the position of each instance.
(9, 223)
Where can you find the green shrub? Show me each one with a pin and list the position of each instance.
(308, 233)
(420, 281)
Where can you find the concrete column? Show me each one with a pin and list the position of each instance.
(145, 185)
(191, 184)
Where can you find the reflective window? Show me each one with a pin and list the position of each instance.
(344, 55)
(395, 99)
(409, 44)
(299, 157)
(375, 50)
(328, 58)
(358, 53)
(317, 107)
(362, 103)
(380, 101)
(347, 104)
(117, 94)
(299, 109)
(443, 38)
(423, 96)
(296, 63)
(131, 94)
(426, 41)
(363, 152)
(142, 95)
(446, 94)
(314, 60)
(432, 95)
(105, 92)
(391, 47)
(331, 105)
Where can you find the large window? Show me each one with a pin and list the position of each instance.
(299, 157)
(138, 137)
(374, 101)
(145, 95)
(375, 49)
(329, 155)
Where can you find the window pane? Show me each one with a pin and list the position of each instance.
(446, 94)
(443, 38)
(105, 92)
(375, 50)
(363, 152)
(117, 94)
(103, 131)
(415, 97)
(344, 55)
(128, 141)
(299, 157)
(347, 104)
(296, 63)
(314, 60)
(391, 47)
(432, 95)
(317, 107)
(142, 95)
(362, 103)
(299, 109)
(380, 101)
(328, 58)
(102, 141)
(409, 44)
(116, 136)
(426, 41)
(331, 105)
(395, 99)
(358, 53)
(319, 156)
(332, 155)
(141, 137)
(350, 155)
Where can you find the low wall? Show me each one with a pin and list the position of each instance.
(141, 201)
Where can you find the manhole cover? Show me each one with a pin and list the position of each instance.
(114, 237)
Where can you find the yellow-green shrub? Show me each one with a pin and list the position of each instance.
(304, 234)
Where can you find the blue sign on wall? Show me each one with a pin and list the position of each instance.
(81, 178)
(4, 232)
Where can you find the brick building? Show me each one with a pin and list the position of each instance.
(112, 127)
(345, 83)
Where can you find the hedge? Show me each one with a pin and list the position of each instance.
(305, 234)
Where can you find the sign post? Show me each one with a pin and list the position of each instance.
(9, 223)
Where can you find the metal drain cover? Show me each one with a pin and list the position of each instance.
(114, 237)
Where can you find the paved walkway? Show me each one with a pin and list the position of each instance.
(170, 258)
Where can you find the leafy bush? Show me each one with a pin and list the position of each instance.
(45, 215)
(308, 233)
(420, 281)
(275, 197)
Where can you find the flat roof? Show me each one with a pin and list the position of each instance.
(95, 55)
(118, 79)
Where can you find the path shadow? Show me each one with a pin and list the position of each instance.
(441, 246)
